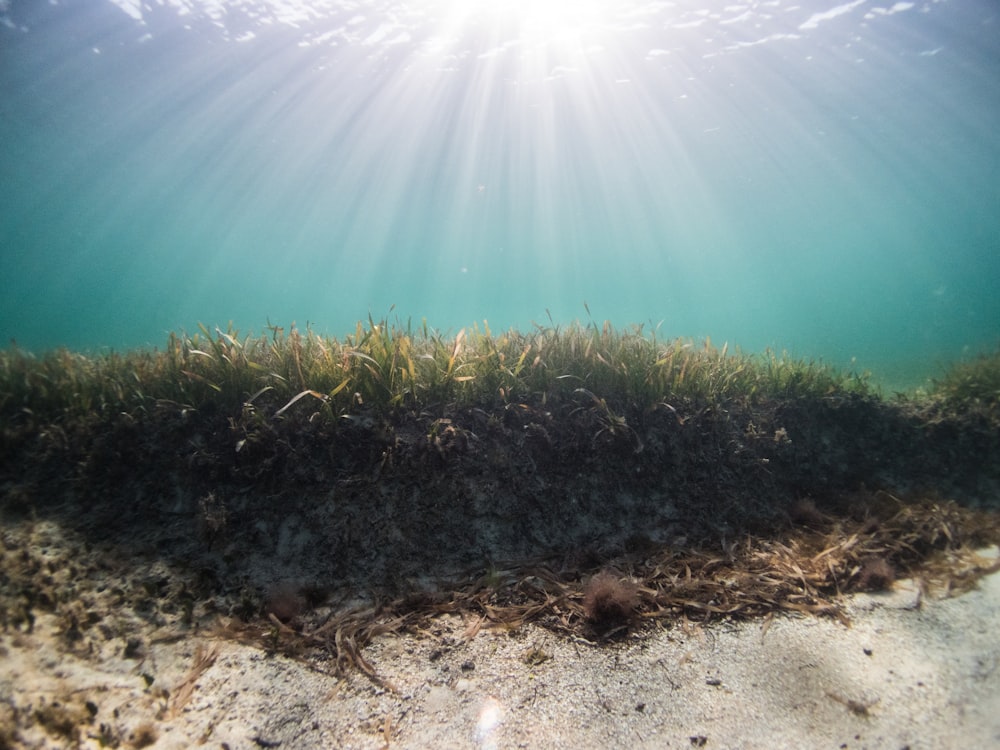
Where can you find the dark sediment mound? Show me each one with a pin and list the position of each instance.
(379, 498)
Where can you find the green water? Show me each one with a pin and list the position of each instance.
(818, 178)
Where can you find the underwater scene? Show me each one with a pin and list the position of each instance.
(511, 373)
(820, 178)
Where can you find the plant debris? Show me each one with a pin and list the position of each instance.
(803, 571)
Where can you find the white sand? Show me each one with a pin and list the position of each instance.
(909, 673)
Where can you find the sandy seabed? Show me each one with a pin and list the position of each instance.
(911, 671)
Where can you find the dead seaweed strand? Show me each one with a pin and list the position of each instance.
(805, 572)
(203, 659)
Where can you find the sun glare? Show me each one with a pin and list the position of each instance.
(538, 21)
(554, 19)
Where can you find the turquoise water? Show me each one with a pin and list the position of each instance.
(813, 177)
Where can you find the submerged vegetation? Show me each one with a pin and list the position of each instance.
(690, 475)
(971, 384)
(383, 366)
(557, 396)
(287, 407)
